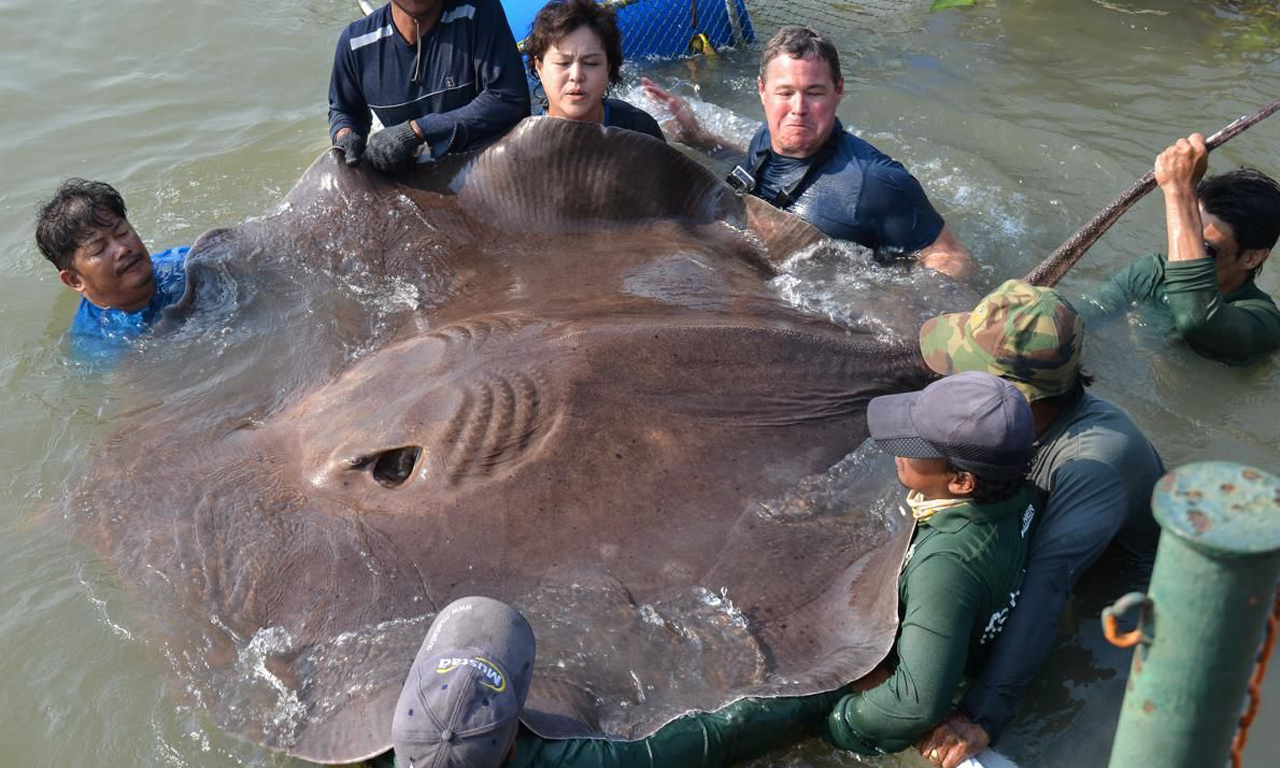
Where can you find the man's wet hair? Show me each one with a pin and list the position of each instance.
(77, 206)
(564, 17)
(801, 43)
(1248, 201)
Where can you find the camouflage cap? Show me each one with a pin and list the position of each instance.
(1030, 336)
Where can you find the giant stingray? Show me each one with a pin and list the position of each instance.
(594, 407)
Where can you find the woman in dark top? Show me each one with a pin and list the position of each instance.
(575, 49)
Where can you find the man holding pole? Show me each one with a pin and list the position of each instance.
(1221, 230)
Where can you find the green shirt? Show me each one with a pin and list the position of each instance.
(1236, 329)
(740, 731)
(1096, 469)
(959, 583)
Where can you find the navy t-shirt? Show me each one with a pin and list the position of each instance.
(471, 85)
(620, 114)
(779, 172)
(850, 191)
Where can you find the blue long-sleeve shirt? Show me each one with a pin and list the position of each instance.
(471, 87)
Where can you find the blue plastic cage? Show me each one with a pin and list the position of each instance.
(659, 28)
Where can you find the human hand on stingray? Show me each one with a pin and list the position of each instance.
(953, 741)
(683, 125)
(352, 146)
(392, 149)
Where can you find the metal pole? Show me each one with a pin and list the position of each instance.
(1202, 620)
(735, 23)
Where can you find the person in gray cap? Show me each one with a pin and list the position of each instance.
(962, 446)
(460, 705)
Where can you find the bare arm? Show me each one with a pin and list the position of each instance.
(1178, 170)
(684, 126)
(945, 254)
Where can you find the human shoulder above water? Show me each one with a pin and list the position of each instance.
(962, 447)
(1092, 463)
(442, 76)
(575, 51)
(804, 161)
(1221, 229)
(85, 233)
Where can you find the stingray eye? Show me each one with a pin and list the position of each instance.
(390, 468)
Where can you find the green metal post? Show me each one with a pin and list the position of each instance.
(1211, 591)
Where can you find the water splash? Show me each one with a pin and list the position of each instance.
(251, 660)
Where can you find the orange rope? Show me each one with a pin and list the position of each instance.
(1112, 633)
(1255, 683)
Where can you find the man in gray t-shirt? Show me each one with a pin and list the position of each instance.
(1094, 464)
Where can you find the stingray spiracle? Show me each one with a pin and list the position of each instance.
(497, 419)
(475, 331)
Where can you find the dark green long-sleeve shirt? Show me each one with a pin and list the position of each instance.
(743, 730)
(960, 581)
(1236, 329)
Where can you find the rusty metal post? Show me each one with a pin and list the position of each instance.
(1202, 620)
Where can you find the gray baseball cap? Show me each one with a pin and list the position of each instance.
(979, 422)
(460, 705)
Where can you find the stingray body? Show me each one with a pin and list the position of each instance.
(595, 409)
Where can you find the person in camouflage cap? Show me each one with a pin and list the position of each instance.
(1095, 467)
(1029, 336)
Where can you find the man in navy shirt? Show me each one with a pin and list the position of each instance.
(123, 288)
(803, 161)
(441, 75)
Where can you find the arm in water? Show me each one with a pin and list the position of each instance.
(1137, 282)
(947, 255)
(743, 730)
(900, 217)
(1084, 512)
(931, 652)
(684, 126)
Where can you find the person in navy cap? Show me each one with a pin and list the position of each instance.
(963, 447)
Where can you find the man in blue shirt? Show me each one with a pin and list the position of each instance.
(84, 232)
(441, 75)
(802, 160)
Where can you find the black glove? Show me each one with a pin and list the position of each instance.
(352, 146)
(391, 149)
